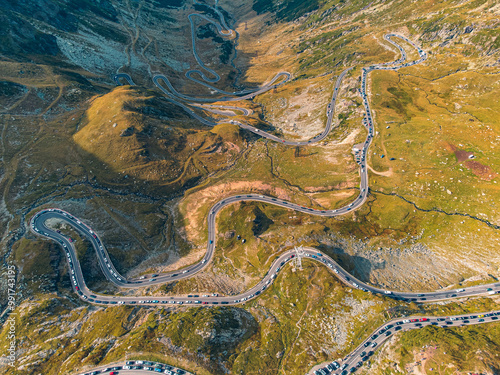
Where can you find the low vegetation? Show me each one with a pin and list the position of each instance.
(144, 175)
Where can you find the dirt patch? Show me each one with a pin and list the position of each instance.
(463, 155)
(417, 367)
(484, 172)
(388, 173)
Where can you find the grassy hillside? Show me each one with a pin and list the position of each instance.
(125, 130)
(452, 351)
(146, 184)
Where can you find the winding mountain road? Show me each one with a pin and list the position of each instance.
(365, 350)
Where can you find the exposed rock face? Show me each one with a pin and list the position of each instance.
(228, 328)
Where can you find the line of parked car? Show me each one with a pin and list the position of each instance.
(141, 365)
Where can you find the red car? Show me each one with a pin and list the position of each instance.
(70, 239)
(423, 319)
(414, 320)
(77, 288)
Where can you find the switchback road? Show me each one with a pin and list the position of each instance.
(359, 355)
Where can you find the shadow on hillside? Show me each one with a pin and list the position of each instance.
(356, 265)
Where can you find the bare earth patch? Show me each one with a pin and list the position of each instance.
(388, 173)
(420, 359)
(462, 155)
(484, 172)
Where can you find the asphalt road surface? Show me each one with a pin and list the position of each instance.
(137, 367)
(38, 226)
(365, 350)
